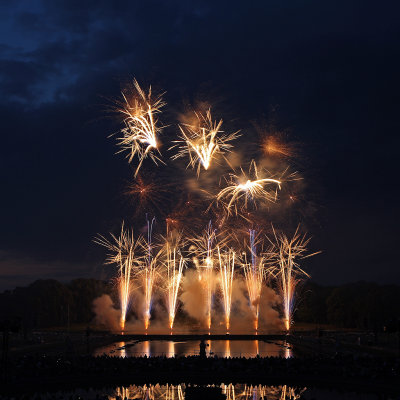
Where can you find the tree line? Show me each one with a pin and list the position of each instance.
(49, 303)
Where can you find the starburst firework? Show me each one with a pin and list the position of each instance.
(203, 141)
(139, 137)
(244, 188)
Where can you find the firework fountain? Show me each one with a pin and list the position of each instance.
(229, 196)
(122, 252)
(173, 271)
(285, 268)
(149, 273)
(204, 261)
(254, 274)
(226, 260)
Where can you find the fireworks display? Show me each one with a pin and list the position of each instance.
(122, 252)
(148, 272)
(204, 261)
(226, 261)
(139, 137)
(254, 273)
(241, 189)
(203, 141)
(285, 253)
(230, 249)
(174, 263)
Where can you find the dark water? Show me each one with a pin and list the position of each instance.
(230, 391)
(220, 348)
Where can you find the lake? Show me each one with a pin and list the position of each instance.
(228, 391)
(220, 348)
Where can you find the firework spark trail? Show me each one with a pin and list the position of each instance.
(283, 254)
(254, 275)
(242, 187)
(226, 268)
(149, 273)
(122, 253)
(139, 137)
(147, 194)
(173, 264)
(205, 248)
(202, 141)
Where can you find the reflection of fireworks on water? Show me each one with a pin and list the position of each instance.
(122, 253)
(256, 392)
(254, 275)
(150, 392)
(202, 141)
(226, 259)
(173, 268)
(247, 187)
(204, 261)
(139, 137)
(230, 391)
(286, 270)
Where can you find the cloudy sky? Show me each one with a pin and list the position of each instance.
(327, 72)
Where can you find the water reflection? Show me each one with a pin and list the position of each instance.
(227, 349)
(121, 349)
(171, 349)
(146, 348)
(230, 391)
(219, 348)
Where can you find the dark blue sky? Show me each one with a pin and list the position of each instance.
(329, 69)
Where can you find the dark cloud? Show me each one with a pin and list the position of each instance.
(330, 69)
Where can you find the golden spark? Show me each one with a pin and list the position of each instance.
(203, 141)
(139, 136)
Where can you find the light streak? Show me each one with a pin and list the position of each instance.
(139, 136)
(254, 275)
(247, 187)
(286, 270)
(204, 261)
(122, 252)
(173, 265)
(149, 273)
(226, 261)
(202, 141)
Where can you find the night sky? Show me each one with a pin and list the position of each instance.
(324, 72)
